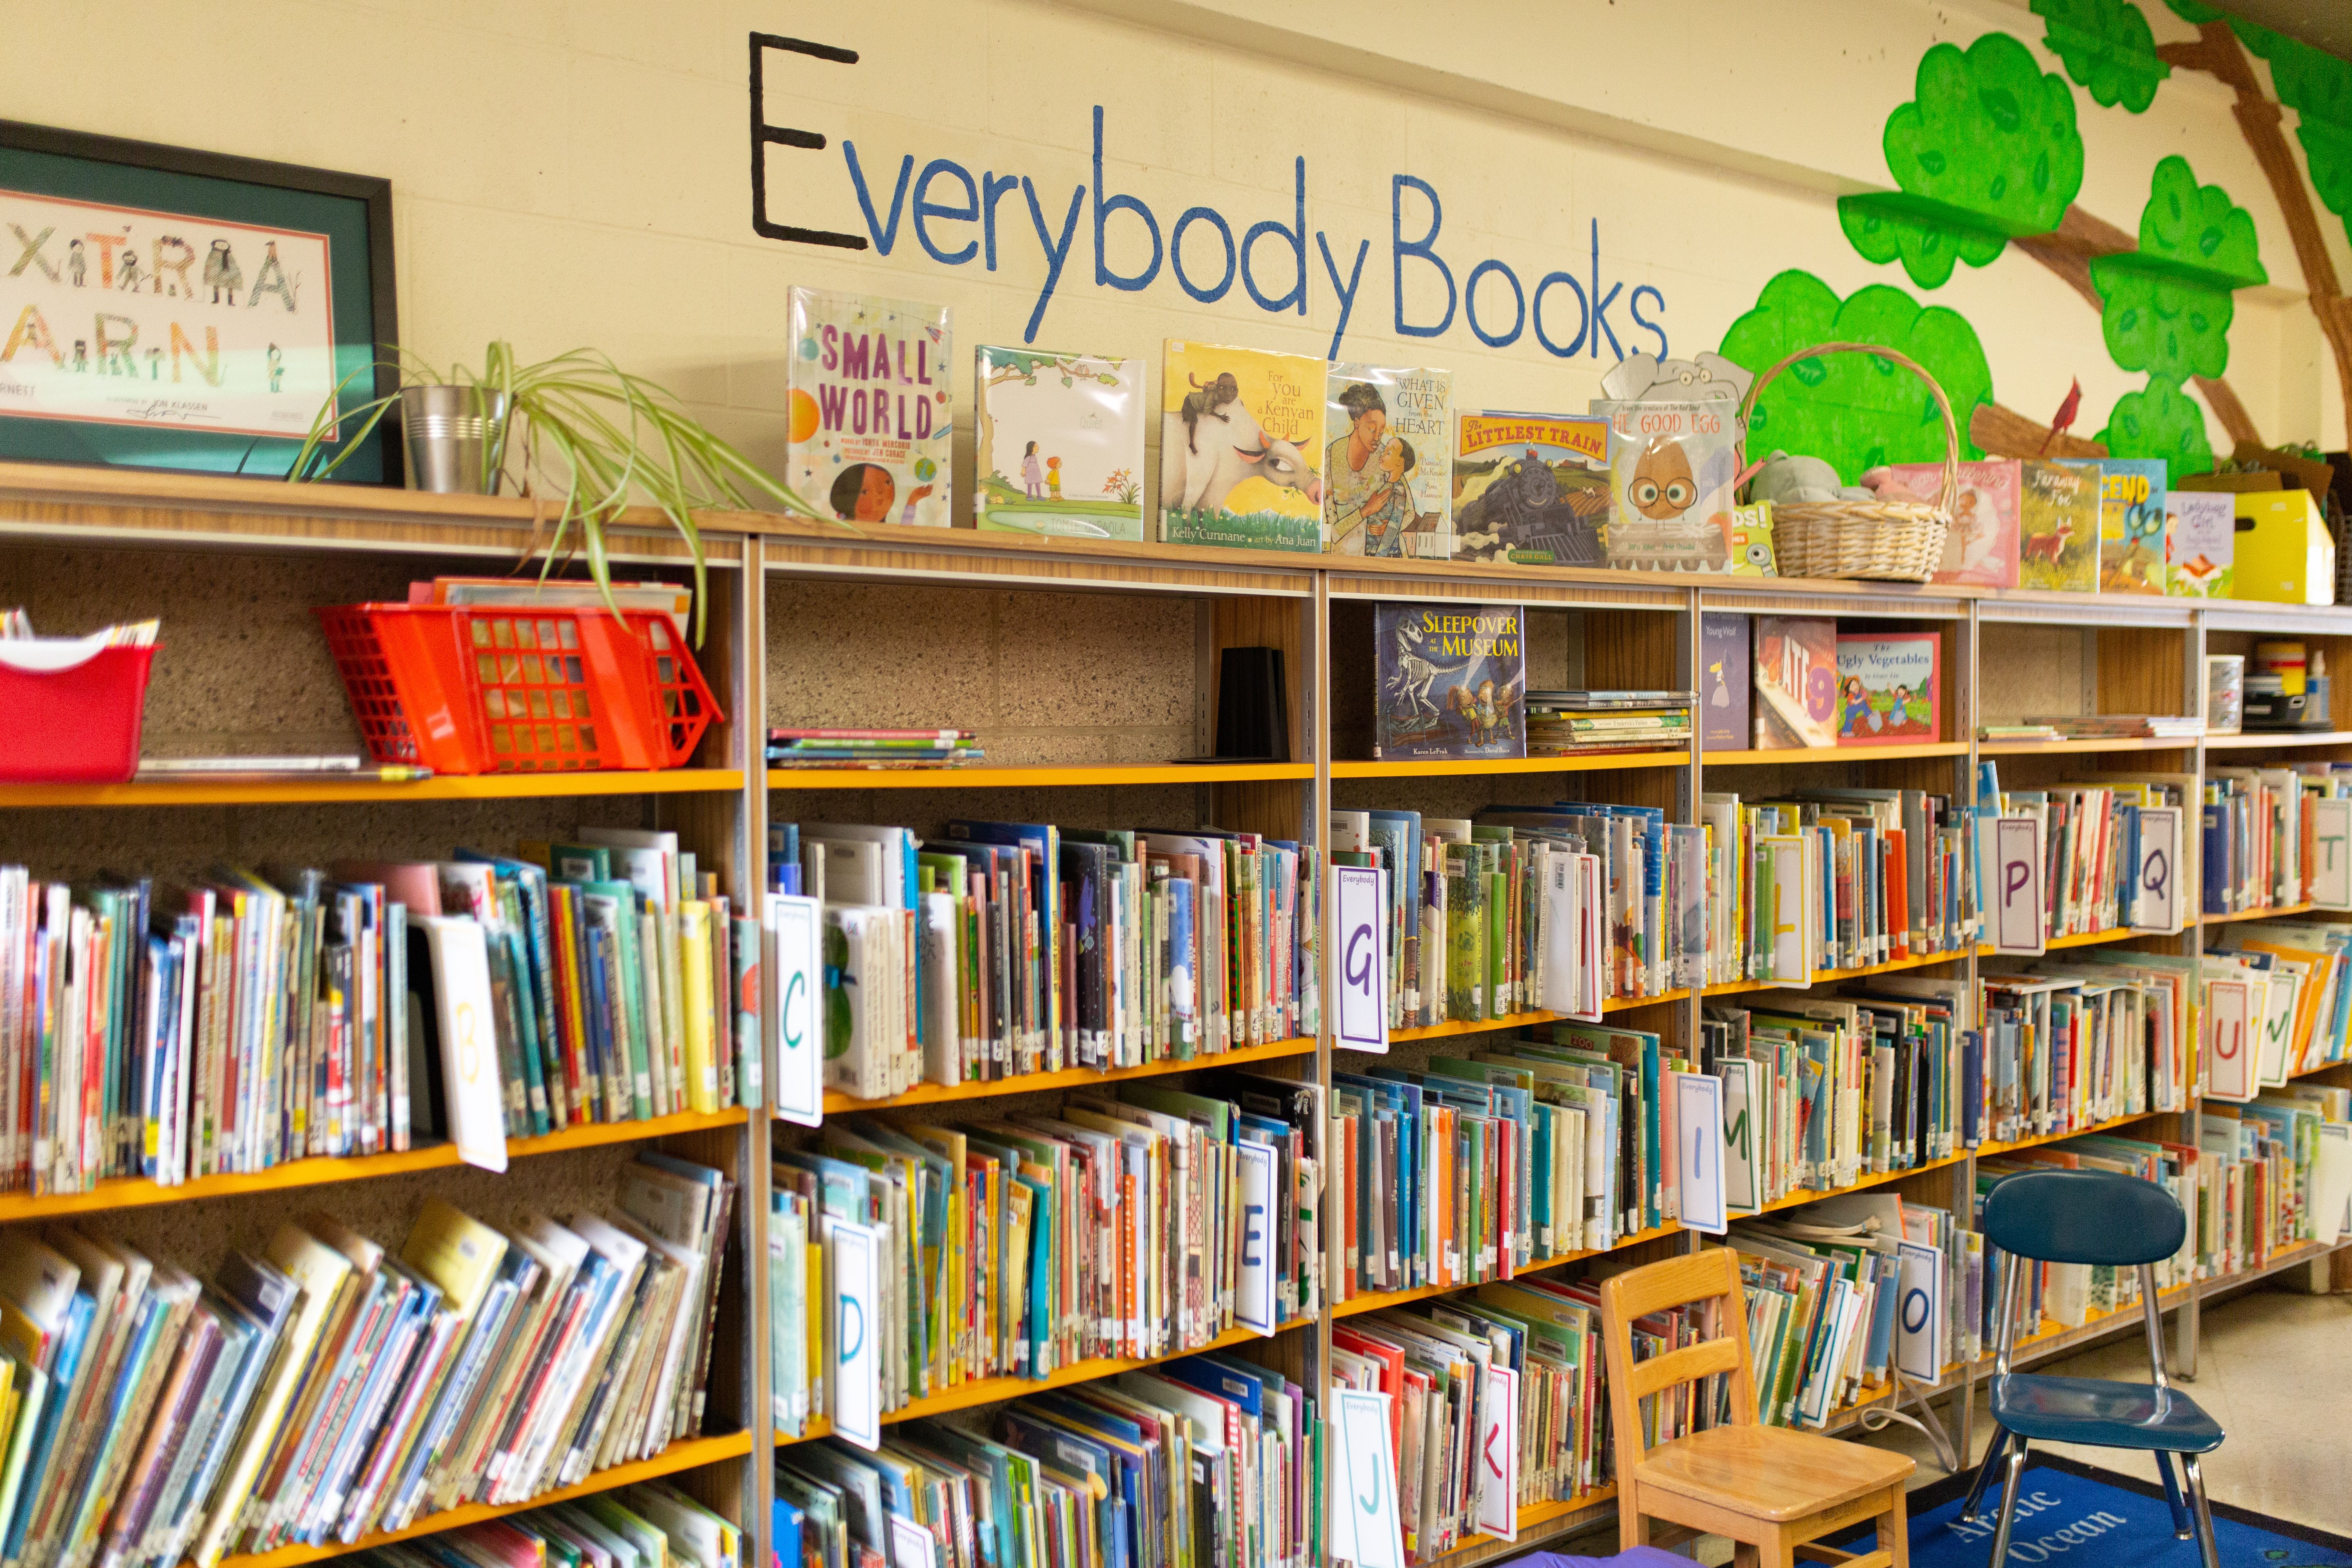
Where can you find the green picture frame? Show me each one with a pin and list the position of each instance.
(171, 308)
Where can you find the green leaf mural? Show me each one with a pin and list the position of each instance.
(1856, 411)
(2168, 306)
(2160, 422)
(2107, 48)
(2195, 11)
(1986, 151)
(2318, 87)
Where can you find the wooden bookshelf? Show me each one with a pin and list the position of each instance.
(330, 790)
(836, 1103)
(689, 1454)
(139, 1193)
(986, 778)
(1248, 597)
(2092, 938)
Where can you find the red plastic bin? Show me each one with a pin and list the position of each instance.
(79, 724)
(508, 690)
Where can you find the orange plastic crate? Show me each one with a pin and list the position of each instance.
(465, 690)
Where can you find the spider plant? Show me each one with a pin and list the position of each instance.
(579, 424)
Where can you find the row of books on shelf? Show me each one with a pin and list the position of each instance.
(1832, 879)
(332, 1388)
(1202, 1461)
(1133, 1226)
(648, 1525)
(1002, 949)
(1564, 907)
(243, 1019)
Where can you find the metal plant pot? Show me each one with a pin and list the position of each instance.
(447, 428)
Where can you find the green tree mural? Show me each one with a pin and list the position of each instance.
(2159, 421)
(2106, 47)
(2318, 87)
(1986, 151)
(2169, 308)
(1988, 156)
(1856, 411)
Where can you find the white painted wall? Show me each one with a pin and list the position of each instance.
(568, 172)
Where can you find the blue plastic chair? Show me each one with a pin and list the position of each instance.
(2090, 1216)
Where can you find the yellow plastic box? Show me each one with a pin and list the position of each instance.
(2284, 554)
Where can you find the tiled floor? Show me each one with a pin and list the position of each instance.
(2274, 1368)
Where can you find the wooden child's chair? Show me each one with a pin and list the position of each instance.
(1773, 1491)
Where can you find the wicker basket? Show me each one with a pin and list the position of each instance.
(1890, 541)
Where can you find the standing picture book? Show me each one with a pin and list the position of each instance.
(1388, 440)
(1890, 689)
(1794, 703)
(1725, 671)
(2201, 544)
(1671, 472)
(1980, 547)
(2058, 527)
(1059, 440)
(1241, 448)
(872, 407)
(1531, 489)
(2132, 525)
(1453, 680)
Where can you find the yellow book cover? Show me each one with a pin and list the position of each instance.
(694, 979)
(1241, 448)
(815, 1346)
(321, 1272)
(455, 1251)
(951, 1321)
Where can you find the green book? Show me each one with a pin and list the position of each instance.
(613, 907)
(1465, 935)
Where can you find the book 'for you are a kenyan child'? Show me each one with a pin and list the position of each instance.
(872, 407)
(1453, 680)
(1241, 448)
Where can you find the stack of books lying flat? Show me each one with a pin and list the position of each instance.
(871, 748)
(2124, 726)
(1574, 722)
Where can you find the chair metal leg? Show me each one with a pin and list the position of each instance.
(2180, 1526)
(2206, 1550)
(2013, 1475)
(1984, 1473)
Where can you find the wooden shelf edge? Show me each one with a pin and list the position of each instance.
(137, 1191)
(2085, 746)
(2042, 1140)
(990, 1389)
(2262, 740)
(1742, 759)
(331, 792)
(689, 1453)
(1024, 777)
(836, 1102)
(1464, 767)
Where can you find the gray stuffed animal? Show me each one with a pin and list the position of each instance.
(1784, 480)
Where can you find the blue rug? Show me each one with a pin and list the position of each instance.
(2081, 1516)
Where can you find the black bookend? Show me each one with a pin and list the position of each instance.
(1253, 706)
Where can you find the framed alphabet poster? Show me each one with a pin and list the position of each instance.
(165, 308)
